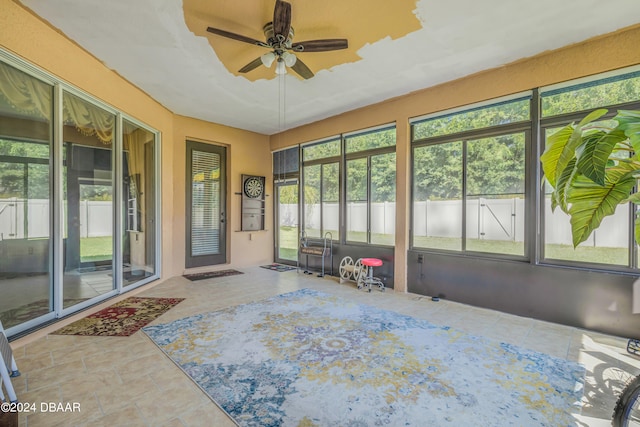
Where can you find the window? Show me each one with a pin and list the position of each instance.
(591, 95)
(331, 199)
(437, 196)
(312, 191)
(371, 187)
(370, 140)
(473, 118)
(469, 192)
(494, 217)
(321, 151)
(609, 245)
(321, 189)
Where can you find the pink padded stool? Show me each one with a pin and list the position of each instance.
(368, 279)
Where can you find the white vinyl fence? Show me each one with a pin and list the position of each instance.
(96, 218)
(490, 219)
(487, 219)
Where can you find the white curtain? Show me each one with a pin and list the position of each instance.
(29, 96)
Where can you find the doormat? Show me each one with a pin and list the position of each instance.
(278, 267)
(212, 274)
(122, 319)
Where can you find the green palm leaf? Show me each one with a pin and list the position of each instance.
(629, 122)
(561, 147)
(594, 156)
(563, 184)
(635, 198)
(554, 147)
(591, 203)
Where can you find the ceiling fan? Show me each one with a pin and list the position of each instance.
(279, 39)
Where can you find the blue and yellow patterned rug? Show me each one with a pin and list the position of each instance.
(307, 358)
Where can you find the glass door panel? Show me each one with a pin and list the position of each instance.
(25, 199)
(206, 227)
(287, 214)
(88, 133)
(139, 195)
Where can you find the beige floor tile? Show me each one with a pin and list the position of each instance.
(88, 411)
(106, 357)
(163, 407)
(145, 364)
(127, 393)
(32, 363)
(77, 352)
(44, 394)
(76, 388)
(49, 343)
(126, 416)
(205, 415)
(54, 374)
(176, 422)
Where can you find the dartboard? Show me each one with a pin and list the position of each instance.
(253, 187)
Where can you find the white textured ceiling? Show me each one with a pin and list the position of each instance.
(148, 42)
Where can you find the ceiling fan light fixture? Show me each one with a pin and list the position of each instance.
(279, 36)
(289, 59)
(268, 58)
(281, 67)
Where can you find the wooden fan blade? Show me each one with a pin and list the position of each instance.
(235, 36)
(282, 19)
(302, 69)
(251, 65)
(320, 45)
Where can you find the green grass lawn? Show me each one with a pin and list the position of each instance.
(288, 241)
(613, 256)
(96, 249)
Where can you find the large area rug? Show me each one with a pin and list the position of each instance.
(310, 359)
(121, 319)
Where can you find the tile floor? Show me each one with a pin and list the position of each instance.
(128, 381)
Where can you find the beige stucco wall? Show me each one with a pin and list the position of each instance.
(35, 41)
(598, 55)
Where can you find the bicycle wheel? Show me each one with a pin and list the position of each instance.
(627, 411)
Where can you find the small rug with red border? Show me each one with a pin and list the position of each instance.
(121, 319)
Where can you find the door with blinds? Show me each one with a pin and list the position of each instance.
(206, 204)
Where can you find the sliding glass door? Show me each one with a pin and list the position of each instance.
(78, 199)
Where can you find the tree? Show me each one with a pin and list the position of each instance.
(495, 165)
(24, 159)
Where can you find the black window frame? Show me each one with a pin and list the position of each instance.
(365, 154)
(523, 126)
